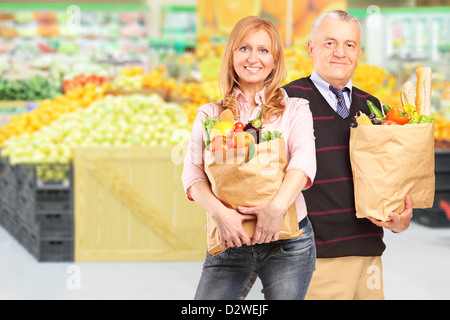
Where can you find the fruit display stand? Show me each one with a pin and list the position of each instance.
(130, 205)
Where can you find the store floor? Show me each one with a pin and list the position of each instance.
(416, 266)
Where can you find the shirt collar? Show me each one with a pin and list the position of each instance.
(259, 97)
(322, 85)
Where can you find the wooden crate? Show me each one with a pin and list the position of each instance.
(130, 205)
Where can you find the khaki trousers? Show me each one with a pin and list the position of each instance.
(347, 278)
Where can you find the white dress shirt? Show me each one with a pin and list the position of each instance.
(324, 89)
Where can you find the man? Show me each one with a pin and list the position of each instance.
(348, 249)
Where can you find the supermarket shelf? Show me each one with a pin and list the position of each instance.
(63, 6)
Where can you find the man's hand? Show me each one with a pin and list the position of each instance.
(399, 221)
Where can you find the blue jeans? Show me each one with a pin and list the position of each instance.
(285, 268)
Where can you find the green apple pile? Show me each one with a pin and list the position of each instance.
(133, 120)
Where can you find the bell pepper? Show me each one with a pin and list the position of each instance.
(399, 115)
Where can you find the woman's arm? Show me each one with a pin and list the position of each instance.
(228, 221)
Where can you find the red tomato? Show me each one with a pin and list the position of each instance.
(238, 126)
(389, 123)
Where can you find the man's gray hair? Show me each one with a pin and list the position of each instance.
(343, 15)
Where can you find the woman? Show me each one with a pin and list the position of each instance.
(251, 74)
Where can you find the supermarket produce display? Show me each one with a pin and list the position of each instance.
(133, 120)
(64, 98)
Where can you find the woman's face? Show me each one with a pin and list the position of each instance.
(253, 60)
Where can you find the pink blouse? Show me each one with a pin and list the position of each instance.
(295, 124)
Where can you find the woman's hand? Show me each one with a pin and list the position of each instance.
(228, 221)
(270, 215)
(269, 220)
(399, 221)
(229, 227)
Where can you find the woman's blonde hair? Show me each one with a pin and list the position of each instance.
(229, 79)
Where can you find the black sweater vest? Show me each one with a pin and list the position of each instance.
(330, 201)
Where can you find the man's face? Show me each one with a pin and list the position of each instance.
(335, 50)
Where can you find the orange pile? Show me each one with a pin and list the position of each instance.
(50, 110)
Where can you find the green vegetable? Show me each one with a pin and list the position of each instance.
(268, 135)
(33, 89)
(386, 108)
(251, 151)
(374, 109)
(207, 125)
(257, 123)
(421, 119)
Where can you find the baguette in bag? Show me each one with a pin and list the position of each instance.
(423, 91)
(391, 162)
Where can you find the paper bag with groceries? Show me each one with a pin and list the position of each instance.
(245, 167)
(396, 157)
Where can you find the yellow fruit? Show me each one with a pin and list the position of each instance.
(221, 128)
(409, 108)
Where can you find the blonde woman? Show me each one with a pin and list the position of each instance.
(251, 74)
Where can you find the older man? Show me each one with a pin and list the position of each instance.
(349, 249)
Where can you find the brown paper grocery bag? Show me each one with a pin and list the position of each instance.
(239, 183)
(390, 162)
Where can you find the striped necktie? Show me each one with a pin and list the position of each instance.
(341, 108)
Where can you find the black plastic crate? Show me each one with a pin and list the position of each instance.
(47, 212)
(442, 160)
(440, 195)
(442, 181)
(45, 199)
(46, 176)
(9, 224)
(48, 223)
(3, 163)
(43, 249)
(8, 185)
(49, 249)
(434, 218)
(32, 203)
(5, 215)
